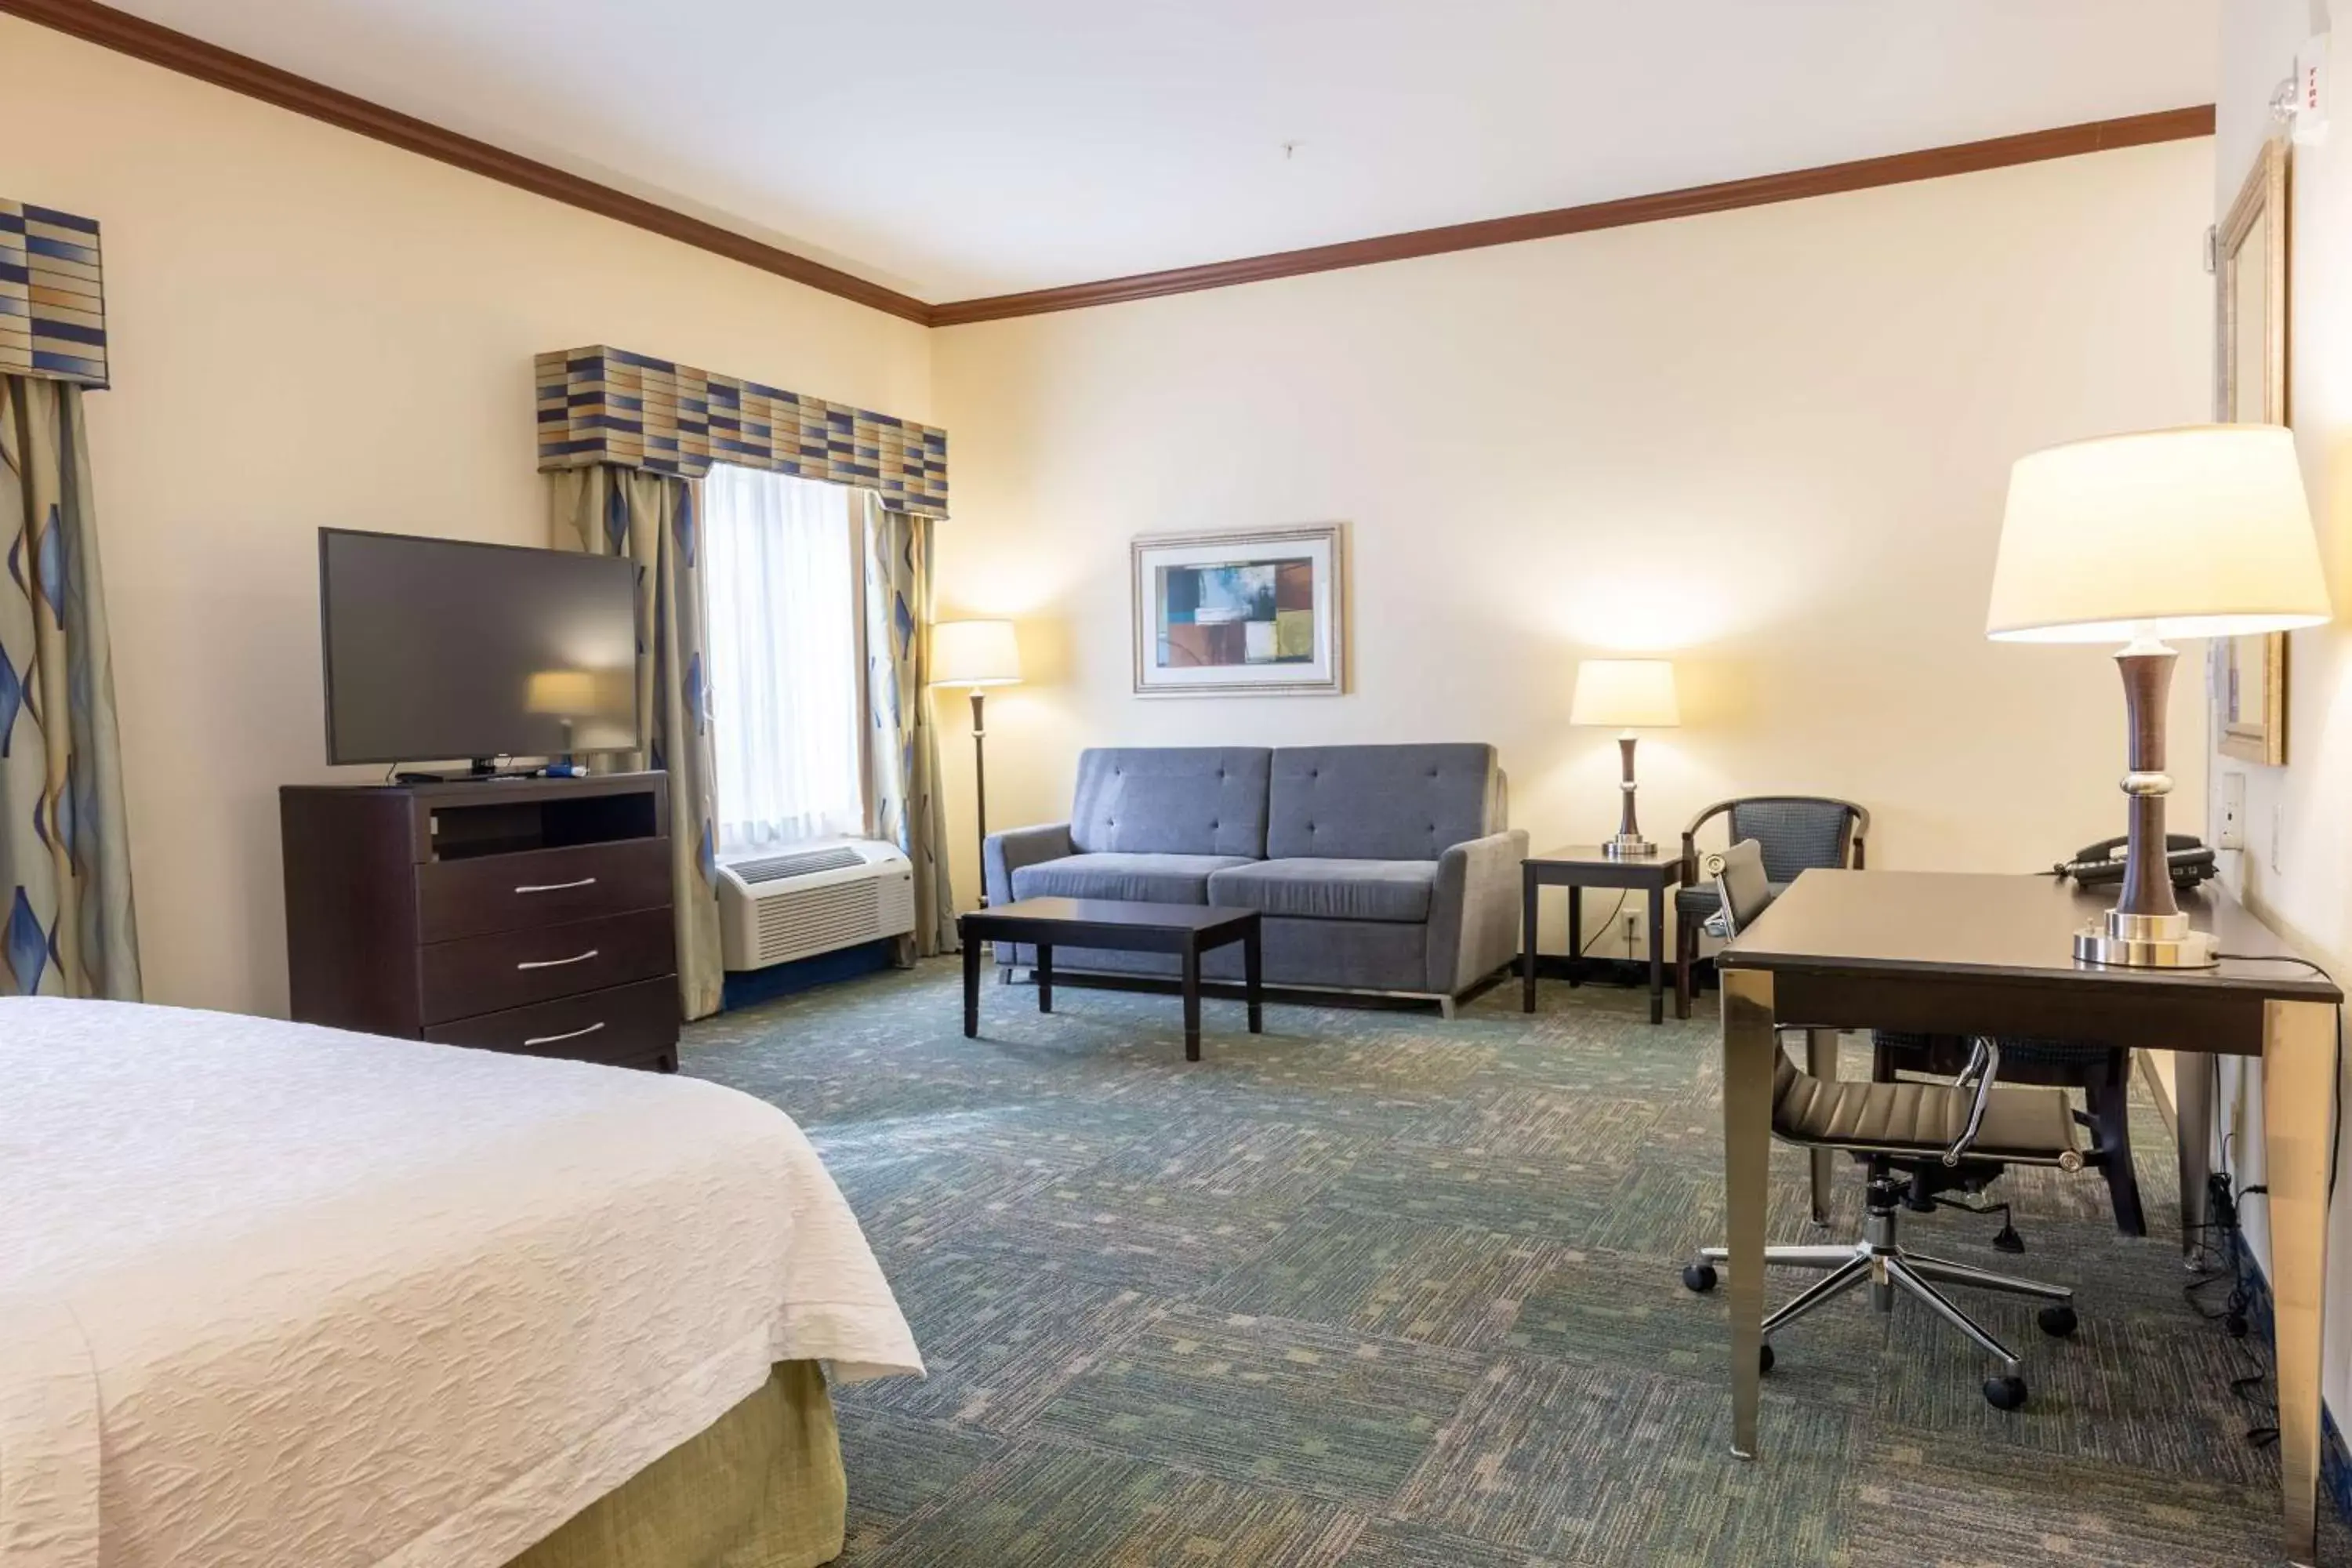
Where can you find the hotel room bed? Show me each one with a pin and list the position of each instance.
(272, 1294)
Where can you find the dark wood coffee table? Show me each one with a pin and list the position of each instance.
(1185, 930)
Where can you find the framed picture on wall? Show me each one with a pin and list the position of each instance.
(1240, 614)
(2247, 676)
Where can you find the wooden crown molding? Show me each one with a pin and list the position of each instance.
(174, 50)
(1931, 163)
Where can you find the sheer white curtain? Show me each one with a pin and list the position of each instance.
(784, 657)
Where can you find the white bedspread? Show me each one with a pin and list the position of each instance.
(281, 1297)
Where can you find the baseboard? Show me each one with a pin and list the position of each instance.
(1629, 971)
(750, 987)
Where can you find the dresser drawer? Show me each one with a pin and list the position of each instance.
(542, 887)
(517, 968)
(627, 1026)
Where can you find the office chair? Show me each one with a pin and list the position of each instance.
(1914, 1137)
(2101, 1072)
(1795, 833)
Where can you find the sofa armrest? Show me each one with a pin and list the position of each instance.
(1001, 853)
(1474, 912)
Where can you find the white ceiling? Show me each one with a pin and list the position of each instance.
(953, 148)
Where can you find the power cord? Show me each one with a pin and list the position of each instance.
(2224, 1198)
(1603, 927)
(2335, 1117)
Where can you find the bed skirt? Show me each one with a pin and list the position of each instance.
(762, 1487)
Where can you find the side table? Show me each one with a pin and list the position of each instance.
(1588, 866)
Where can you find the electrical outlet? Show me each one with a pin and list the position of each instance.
(2230, 832)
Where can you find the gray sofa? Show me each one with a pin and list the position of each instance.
(1381, 868)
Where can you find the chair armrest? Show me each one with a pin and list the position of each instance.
(1690, 838)
(1001, 853)
(1473, 910)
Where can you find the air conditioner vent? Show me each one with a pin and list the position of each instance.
(776, 907)
(800, 863)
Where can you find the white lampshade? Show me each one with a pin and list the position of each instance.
(2198, 531)
(974, 653)
(1626, 693)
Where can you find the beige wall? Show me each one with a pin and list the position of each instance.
(2297, 869)
(310, 329)
(1773, 443)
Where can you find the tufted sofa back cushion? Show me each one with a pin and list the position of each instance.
(1171, 800)
(1381, 803)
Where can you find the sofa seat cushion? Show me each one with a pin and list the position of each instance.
(1317, 888)
(1136, 878)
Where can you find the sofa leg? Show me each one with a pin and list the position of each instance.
(1445, 1007)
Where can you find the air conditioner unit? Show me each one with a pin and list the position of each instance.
(812, 899)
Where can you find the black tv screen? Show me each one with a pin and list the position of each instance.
(439, 649)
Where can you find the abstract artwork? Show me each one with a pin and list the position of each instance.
(1239, 613)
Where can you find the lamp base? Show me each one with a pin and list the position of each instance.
(2146, 942)
(1629, 846)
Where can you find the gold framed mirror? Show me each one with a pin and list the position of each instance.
(2250, 275)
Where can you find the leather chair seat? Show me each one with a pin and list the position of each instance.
(1920, 1118)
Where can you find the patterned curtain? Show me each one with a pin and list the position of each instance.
(650, 519)
(904, 751)
(66, 921)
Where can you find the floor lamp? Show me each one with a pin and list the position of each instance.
(979, 655)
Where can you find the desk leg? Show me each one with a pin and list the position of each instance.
(2298, 1138)
(971, 988)
(1528, 940)
(1822, 1062)
(1044, 977)
(2192, 1115)
(1748, 1042)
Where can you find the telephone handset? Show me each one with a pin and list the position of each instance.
(2094, 864)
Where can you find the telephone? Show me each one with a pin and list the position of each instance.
(2094, 864)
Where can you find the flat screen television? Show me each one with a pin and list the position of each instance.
(437, 648)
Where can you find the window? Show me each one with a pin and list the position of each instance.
(786, 666)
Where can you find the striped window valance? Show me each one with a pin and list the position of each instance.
(602, 406)
(52, 301)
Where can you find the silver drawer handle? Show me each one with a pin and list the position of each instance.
(558, 963)
(559, 887)
(559, 1039)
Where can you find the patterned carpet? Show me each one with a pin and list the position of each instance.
(1377, 1289)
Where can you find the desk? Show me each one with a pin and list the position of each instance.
(1984, 954)
(1583, 865)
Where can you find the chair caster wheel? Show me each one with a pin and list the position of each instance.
(2056, 1321)
(2005, 1392)
(1764, 1359)
(1699, 1277)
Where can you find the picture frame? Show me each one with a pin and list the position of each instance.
(1261, 612)
(2247, 675)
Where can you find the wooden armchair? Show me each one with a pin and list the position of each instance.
(1796, 832)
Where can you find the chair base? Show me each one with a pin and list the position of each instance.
(1886, 1266)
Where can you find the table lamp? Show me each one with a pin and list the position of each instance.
(977, 654)
(2198, 531)
(1627, 694)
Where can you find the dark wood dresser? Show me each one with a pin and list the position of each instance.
(530, 915)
